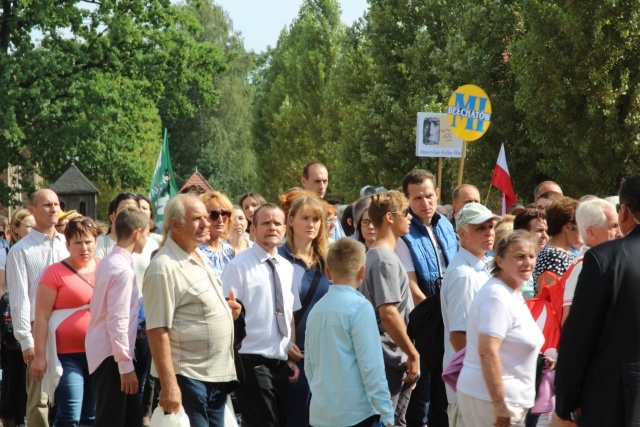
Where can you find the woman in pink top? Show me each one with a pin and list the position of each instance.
(68, 285)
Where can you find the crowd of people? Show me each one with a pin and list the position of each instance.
(396, 312)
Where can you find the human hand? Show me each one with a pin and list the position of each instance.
(294, 353)
(28, 355)
(294, 372)
(38, 368)
(552, 362)
(411, 368)
(129, 383)
(234, 306)
(170, 398)
(503, 416)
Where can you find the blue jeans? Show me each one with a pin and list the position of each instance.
(74, 394)
(203, 401)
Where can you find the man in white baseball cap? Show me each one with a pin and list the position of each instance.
(465, 276)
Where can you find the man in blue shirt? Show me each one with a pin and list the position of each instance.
(343, 348)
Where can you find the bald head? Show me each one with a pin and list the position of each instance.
(545, 186)
(44, 206)
(463, 194)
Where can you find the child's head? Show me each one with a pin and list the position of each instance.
(345, 261)
(130, 220)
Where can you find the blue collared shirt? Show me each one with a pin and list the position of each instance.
(343, 361)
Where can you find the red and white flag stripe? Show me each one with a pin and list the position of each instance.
(502, 181)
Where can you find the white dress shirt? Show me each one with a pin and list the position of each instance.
(252, 282)
(26, 262)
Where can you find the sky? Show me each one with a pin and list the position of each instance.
(261, 21)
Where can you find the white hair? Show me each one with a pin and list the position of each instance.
(174, 209)
(592, 214)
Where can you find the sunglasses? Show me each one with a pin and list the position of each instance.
(74, 224)
(214, 215)
(404, 212)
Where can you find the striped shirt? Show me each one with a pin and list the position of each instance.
(26, 263)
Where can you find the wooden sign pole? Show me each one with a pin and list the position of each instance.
(461, 169)
(440, 176)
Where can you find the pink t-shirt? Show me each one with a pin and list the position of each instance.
(72, 292)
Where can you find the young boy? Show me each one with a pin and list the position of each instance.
(342, 347)
(111, 335)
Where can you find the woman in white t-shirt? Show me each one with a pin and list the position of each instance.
(496, 386)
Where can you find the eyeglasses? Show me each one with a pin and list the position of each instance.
(331, 220)
(365, 222)
(404, 212)
(74, 224)
(214, 215)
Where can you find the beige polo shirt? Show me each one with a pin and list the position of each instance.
(186, 297)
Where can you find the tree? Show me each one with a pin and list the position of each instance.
(218, 139)
(291, 102)
(577, 67)
(86, 80)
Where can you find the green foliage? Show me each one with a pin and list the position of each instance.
(87, 80)
(293, 125)
(217, 139)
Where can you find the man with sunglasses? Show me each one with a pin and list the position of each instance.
(27, 260)
(386, 286)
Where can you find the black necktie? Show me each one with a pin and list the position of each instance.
(279, 301)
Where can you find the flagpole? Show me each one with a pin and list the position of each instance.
(487, 199)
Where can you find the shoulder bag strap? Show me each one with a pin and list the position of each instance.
(307, 299)
(76, 273)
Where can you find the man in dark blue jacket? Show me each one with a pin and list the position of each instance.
(425, 253)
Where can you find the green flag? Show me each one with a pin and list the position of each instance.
(163, 186)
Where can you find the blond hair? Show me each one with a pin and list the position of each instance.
(390, 202)
(345, 258)
(220, 200)
(17, 219)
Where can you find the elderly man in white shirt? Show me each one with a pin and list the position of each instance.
(263, 281)
(26, 262)
(465, 276)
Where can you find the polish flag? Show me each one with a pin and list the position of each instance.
(502, 181)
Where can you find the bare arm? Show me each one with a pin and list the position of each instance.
(45, 298)
(397, 330)
(416, 293)
(170, 395)
(458, 340)
(489, 347)
(3, 282)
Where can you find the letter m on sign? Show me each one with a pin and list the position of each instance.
(470, 107)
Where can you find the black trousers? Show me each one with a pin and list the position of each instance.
(263, 396)
(114, 408)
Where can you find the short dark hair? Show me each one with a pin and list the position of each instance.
(129, 220)
(266, 206)
(417, 176)
(308, 166)
(560, 213)
(526, 216)
(630, 193)
(126, 195)
(349, 229)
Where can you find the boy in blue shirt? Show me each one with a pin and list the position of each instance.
(343, 357)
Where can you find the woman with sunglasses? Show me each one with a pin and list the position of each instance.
(305, 248)
(217, 249)
(13, 403)
(62, 308)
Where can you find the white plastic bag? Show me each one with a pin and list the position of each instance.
(229, 414)
(159, 419)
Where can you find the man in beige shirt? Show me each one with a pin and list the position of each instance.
(189, 323)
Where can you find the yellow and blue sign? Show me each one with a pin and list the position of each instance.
(469, 112)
